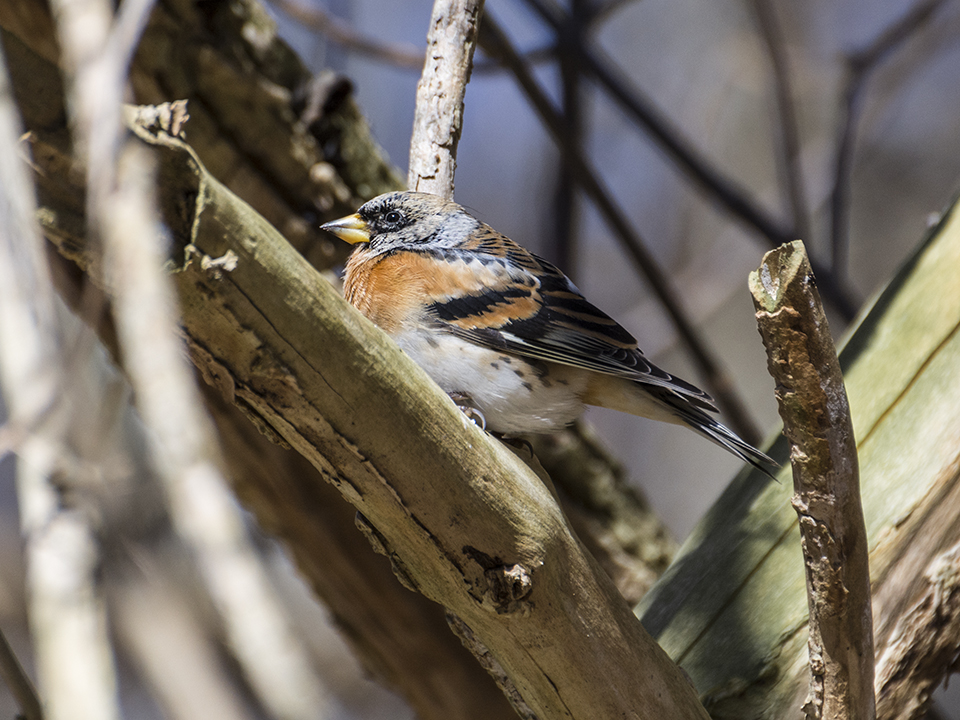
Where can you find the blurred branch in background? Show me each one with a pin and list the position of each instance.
(718, 383)
(121, 213)
(67, 615)
(401, 55)
(563, 226)
(711, 180)
(776, 47)
(860, 66)
(345, 35)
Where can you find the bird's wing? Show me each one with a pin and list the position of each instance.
(525, 305)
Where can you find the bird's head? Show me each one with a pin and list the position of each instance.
(399, 220)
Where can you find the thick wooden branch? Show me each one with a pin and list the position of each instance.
(451, 40)
(401, 637)
(902, 373)
(816, 418)
(460, 517)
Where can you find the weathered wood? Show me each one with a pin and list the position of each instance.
(400, 636)
(823, 455)
(459, 516)
(737, 588)
(462, 519)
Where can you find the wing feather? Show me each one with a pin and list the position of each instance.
(528, 307)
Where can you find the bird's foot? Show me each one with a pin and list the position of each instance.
(465, 403)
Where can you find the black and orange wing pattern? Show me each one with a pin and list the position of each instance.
(528, 307)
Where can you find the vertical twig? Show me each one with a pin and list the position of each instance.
(718, 383)
(816, 421)
(860, 66)
(67, 618)
(565, 206)
(123, 216)
(765, 14)
(438, 118)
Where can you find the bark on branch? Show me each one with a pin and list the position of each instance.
(439, 115)
(816, 418)
(460, 517)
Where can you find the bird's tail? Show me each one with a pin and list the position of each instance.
(673, 402)
(699, 421)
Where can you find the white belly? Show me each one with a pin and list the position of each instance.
(515, 396)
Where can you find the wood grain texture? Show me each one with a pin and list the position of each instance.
(743, 561)
(461, 518)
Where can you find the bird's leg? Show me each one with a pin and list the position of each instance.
(465, 403)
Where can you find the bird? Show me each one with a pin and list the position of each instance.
(502, 331)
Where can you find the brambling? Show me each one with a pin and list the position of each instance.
(501, 330)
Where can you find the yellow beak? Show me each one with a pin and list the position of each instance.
(352, 229)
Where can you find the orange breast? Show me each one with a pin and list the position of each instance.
(392, 289)
(388, 289)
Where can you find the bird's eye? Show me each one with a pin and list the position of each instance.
(392, 218)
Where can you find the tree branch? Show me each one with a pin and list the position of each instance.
(816, 419)
(769, 26)
(67, 617)
(438, 118)
(902, 371)
(711, 181)
(402, 453)
(860, 66)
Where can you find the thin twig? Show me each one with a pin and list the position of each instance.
(773, 39)
(404, 55)
(826, 479)
(711, 182)
(718, 382)
(565, 207)
(438, 118)
(860, 66)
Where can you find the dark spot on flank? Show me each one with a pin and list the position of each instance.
(494, 366)
(506, 359)
(431, 342)
(546, 382)
(528, 386)
(563, 382)
(519, 373)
